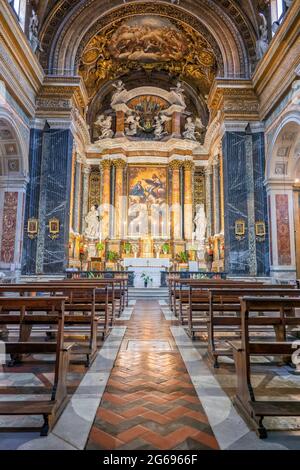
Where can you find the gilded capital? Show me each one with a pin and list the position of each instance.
(105, 164)
(188, 165)
(175, 165)
(119, 163)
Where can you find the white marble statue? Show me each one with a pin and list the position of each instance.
(34, 32)
(179, 91)
(92, 230)
(201, 224)
(262, 42)
(104, 125)
(119, 87)
(159, 125)
(132, 125)
(190, 127)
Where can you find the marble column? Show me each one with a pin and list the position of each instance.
(244, 200)
(105, 200)
(252, 261)
(119, 198)
(209, 201)
(216, 182)
(48, 197)
(77, 194)
(32, 199)
(86, 171)
(175, 166)
(188, 200)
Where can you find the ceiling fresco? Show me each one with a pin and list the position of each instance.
(147, 43)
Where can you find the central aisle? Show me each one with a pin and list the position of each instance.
(149, 401)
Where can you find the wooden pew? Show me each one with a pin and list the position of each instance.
(50, 409)
(201, 288)
(224, 313)
(254, 411)
(81, 308)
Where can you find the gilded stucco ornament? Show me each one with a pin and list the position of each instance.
(147, 43)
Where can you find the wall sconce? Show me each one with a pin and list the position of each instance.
(32, 228)
(260, 231)
(54, 228)
(240, 229)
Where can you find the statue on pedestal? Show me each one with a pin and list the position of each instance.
(34, 32)
(262, 42)
(159, 125)
(200, 232)
(92, 230)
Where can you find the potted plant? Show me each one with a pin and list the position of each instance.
(182, 257)
(165, 248)
(127, 248)
(112, 256)
(147, 279)
(100, 248)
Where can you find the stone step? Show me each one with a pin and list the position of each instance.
(149, 293)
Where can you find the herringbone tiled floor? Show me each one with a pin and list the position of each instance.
(150, 402)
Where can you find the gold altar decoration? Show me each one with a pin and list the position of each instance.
(240, 229)
(95, 188)
(148, 43)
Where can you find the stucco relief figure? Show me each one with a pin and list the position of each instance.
(262, 42)
(119, 88)
(92, 230)
(201, 225)
(34, 32)
(132, 125)
(104, 125)
(190, 127)
(159, 126)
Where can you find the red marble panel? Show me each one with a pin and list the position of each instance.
(9, 227)
(283, 230)
(270, 230)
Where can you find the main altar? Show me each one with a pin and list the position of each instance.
(142, 208)
(148, 269)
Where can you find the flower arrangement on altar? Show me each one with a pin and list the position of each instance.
(147, 279)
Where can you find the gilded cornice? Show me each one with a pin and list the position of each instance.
(235, 99)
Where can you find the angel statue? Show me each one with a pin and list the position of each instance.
(159, 125)
(104, 124)
(190, 132)
(92, 224)
(262, 42)
(132, 125)
(179, 91)
(34, 32)
(119, 87)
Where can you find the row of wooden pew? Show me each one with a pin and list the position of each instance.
(82, 310)
(237, 315)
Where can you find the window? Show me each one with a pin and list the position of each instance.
(19, 7)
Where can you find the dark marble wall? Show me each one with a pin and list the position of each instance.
(245, 199)
(48, 196)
